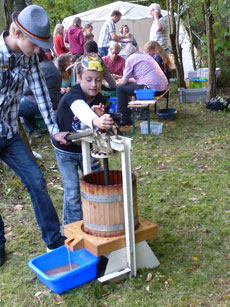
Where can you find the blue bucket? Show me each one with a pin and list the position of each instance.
(165, 114)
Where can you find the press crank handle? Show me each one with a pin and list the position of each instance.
(75, 136)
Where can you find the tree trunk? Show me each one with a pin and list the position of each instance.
(211, 89)
(174, 38)
(19, 5)
(191, 39)
(6, 9)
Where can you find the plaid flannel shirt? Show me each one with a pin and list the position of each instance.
(14, 69)
(105, 37)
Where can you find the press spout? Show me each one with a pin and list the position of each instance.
(74, 242)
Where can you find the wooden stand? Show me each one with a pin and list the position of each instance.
(114, 248)
(100, 246)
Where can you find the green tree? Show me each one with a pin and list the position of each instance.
(220, 11)
(6, 9)
(57, 10)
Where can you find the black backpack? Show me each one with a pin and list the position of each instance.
(218, 103)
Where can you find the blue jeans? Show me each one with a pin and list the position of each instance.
(28, 109)
(17, 156)
(69, 165)
(123, 93)
(103, 51)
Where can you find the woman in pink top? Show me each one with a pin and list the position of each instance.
(113, 61)
(75, 38)
(59, 45)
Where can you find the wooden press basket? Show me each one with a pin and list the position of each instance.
(102, 205)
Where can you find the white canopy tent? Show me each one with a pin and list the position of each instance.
(137, 17)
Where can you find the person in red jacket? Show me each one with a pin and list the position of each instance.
(59, 45)
(75, 38)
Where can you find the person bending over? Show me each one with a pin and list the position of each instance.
(29, 32)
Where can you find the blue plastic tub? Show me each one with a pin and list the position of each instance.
(113, 107)
(164, 114)
(86, 271)
(145, 94)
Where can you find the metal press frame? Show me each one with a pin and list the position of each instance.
(123, 262)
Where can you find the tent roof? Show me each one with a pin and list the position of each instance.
(128, 10)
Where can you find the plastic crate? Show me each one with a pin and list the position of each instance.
(86, 270)
(155, 127)
(198, 82)
(192, 95)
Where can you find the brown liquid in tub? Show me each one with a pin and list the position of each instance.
(61, 269)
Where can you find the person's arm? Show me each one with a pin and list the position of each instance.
(118, 38)
(82, 110)
(62, 45)
(67, 37)
(122, 81)
(157, 20)
(109, 78)
(81, 38)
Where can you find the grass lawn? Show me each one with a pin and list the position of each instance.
(183, 178)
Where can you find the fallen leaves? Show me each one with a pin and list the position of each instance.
(58, 299)
(18, 207)
(185, 183)
(38, 293)
(141, 179)
(137, 168)
(149, 277)
(194, 267)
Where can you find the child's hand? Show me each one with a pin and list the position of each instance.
(64, 90)
(103, 122)
(99, 109)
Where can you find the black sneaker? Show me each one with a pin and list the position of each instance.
(58, 243)
(2, 256)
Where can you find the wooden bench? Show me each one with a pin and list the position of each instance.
(145, 104)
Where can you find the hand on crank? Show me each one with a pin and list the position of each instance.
(60, 137)
(103, 122)
(99, 109)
